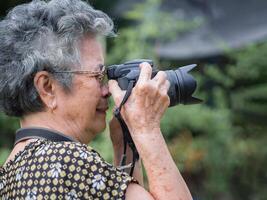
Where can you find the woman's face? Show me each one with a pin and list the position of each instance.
(84, 108)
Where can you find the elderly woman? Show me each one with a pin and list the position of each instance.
(51, 71)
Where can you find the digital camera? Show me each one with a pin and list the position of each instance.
(182, 84)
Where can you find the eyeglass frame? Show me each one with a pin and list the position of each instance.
(99, 74)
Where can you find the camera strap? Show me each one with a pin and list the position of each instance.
(41, 133)
(127, 139)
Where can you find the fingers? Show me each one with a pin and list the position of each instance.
(114, 124)
(116, 92)
(164, 88)
(145, 73)
(166, 85)
(148, 91)
(160, 77)
(161, 82)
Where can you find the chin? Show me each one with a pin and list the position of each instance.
(97, 124)
(103, 127)
(100, 126)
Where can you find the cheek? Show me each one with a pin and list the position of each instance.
(83, 102)
(91, 105)
(91, 101)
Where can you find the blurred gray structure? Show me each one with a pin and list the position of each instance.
(226, 24)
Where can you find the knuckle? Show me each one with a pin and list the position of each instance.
(162, 74)
(117, 99)
(166, 99)
(164, 96)
(142, 87)
(152, 88)
(168, 84)
(155, 88)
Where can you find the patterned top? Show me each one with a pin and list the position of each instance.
(61, 170)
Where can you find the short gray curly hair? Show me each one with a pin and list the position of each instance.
(42, 35)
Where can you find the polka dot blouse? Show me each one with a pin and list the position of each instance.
(61, 170)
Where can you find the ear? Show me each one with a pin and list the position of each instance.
(46, 87)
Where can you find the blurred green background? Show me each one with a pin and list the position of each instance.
(219, 146)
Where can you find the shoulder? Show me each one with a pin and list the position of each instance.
(69, 153)
(73, 149)
(81, 167)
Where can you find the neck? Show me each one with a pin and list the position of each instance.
(51, 121)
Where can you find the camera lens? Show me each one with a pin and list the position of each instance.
(182, 86)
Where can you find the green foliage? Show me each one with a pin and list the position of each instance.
(240, 88)
(8, 127)
(150, 26)
(199, 138)
(4, 154)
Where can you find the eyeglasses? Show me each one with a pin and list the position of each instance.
(100, 75)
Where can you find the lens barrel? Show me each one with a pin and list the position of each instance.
(182, 86)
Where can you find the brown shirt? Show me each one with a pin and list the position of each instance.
(61, 170)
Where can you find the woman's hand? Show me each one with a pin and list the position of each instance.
(142, 113)
(147, 103)
(116, 134)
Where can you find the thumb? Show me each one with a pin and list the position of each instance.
(116, 92)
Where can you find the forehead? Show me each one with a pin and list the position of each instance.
(92, 55)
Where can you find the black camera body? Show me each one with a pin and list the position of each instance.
(182, 84)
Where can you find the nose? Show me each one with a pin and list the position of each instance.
(105, 91)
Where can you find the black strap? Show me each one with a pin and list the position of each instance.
(126, 133)
(41, 133)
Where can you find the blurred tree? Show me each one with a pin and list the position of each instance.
(241, 87)
(149, 26)
(8, 126)
(104, 5)
(7, 5)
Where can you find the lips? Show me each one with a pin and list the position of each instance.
(102, 109)
(102, 106)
